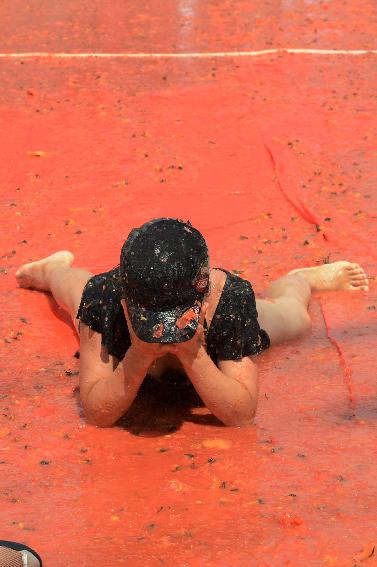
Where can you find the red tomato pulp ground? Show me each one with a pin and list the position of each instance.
(273, 157)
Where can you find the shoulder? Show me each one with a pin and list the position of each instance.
(100, 298)
(234, 326)
(101, 310)
(236, 294)
(230, 294)
(236, 284)
(101, 286)
(104, 282)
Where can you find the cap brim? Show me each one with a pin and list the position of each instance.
(175, 325)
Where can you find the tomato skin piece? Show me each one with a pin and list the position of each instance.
(158, 331)
(291, 520)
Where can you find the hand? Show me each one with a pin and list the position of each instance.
(183, 351)
(151, 351)
(188, 350)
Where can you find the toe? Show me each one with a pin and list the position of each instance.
(20, 274)
(358, 271)
(359, 288)
(356, 275)
(358, 283)
(359, 277)
(353, 267)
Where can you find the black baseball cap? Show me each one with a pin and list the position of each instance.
(164, 276)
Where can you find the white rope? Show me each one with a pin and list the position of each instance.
(209, 55)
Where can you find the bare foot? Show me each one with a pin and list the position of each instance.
(335, 276)
(33, 275)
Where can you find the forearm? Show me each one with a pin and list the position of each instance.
(111, 397)
(225, 396)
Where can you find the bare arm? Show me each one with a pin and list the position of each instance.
(107, 389)
(230, 392)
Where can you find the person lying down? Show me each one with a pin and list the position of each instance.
(164, 308)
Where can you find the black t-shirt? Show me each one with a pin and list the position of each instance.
(234, 331)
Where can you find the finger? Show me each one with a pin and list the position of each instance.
(200, 333)
(168, 348)
(159, 349)
(203, 313)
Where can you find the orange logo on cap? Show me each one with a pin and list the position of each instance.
(186, 318)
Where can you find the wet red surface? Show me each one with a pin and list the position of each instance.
(187, 25)
(274, 159)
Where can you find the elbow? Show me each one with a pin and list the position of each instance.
(101, 423)
(239, 419)
(98, 417)
(246, 422)
(99, 420)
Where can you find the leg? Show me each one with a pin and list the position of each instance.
(54, 274)
(283, 313)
